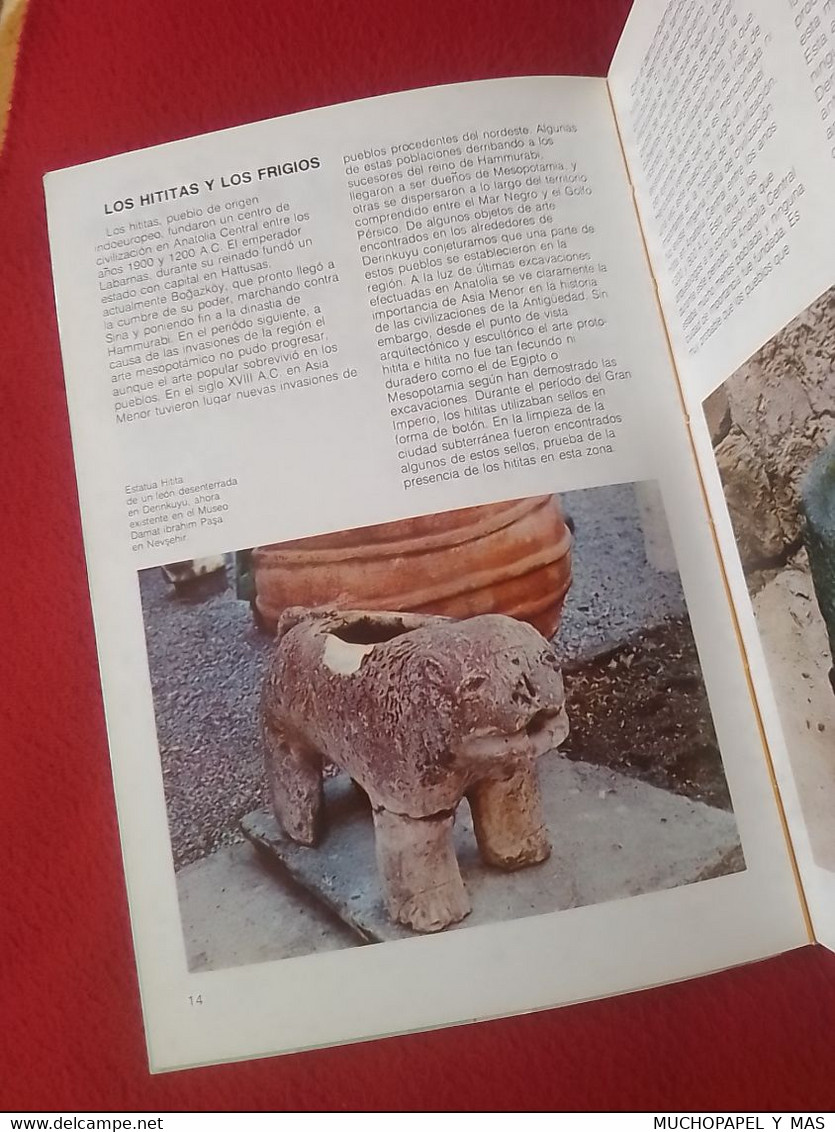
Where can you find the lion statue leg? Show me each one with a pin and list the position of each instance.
(417, 863)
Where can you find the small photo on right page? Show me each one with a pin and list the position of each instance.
(772, 428)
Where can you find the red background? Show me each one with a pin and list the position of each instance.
(94, 78)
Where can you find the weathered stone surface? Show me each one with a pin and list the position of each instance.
(782, 413)
(795, 643)
(759, 533)
(718, 414)
(420, 711)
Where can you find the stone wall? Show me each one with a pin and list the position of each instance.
(768, 422)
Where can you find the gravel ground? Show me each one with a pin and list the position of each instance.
(206, 660)
(615, 593)
(643, 710)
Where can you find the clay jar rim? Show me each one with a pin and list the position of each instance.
(315, 550)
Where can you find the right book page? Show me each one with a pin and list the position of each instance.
(727, 117)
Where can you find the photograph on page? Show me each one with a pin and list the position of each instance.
(432, 723)
(773, 434)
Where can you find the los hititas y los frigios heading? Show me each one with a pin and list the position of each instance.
(226, 181)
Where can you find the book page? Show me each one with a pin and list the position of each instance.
(766, 438)
(727, 113)
(421, 681)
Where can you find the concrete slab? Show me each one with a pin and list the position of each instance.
(235, 912)
(612, 836)
(797, 652)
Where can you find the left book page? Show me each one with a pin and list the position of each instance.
(402, 357)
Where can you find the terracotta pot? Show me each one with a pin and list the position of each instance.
(511, 558)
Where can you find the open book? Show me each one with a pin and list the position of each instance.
(457, 493)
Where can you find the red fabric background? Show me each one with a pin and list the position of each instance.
(96, 78)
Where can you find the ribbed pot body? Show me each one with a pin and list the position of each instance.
(512, 558)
